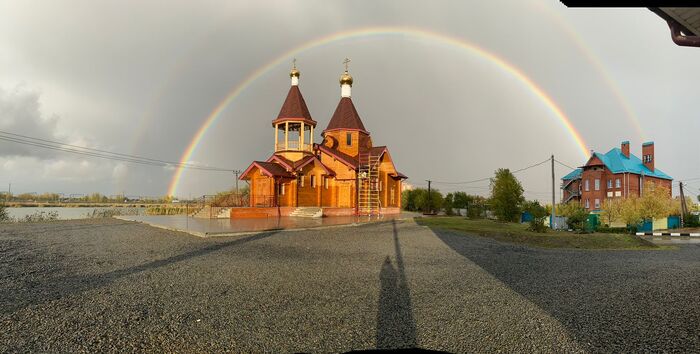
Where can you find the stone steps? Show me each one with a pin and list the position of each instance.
(224, 213)
(307, 212)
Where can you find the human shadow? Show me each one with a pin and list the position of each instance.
(608, 301)
(396, 327)
(38, 291)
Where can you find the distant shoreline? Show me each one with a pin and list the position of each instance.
(83, 205)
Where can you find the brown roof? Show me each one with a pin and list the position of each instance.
(378, 150)
(342, 157)
(294, 106)
(268, 168)
(346, 117)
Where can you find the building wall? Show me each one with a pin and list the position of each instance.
(629, 185)
(339, 137)
(262, 189)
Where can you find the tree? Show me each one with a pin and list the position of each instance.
(655, 203)
(611, 209)
(539, 213)
(506, 196)
(448, 203)
(629, 213)
(417, 200)
(576, 215)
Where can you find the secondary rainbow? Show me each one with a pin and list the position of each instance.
(597, 65)
(408, 32)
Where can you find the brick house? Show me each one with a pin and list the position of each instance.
(615, 174)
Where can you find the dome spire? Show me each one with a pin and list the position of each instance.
(345, 81)
(294, 74)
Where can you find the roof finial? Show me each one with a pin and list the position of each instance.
(294, 74)
(345, 80)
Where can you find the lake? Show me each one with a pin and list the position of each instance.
(63, 212)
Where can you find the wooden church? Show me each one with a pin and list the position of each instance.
(344, 174)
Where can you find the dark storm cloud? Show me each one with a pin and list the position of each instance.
(141, 78)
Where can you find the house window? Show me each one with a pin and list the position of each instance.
(597, 203)
(617, 183)
(609, 183)
(586, 186)
(596, 184)
(588, 205)
(348, 139)
(282, 191)
(313, 181)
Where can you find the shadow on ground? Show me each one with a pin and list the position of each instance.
(612, 301)
(55, 285)
(396, 327)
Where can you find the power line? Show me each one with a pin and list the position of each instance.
(563, 164)
(79, 150)
(489, 178)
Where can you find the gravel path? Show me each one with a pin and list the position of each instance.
(109, 285)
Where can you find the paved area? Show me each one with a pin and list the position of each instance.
(111, 285)
(230, 227)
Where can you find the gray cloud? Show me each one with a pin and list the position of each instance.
(142, 78)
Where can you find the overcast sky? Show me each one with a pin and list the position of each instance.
(140, 78)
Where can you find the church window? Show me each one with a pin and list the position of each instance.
(325, 182)
(380, 186)
(282, 191)
(301, 181)
(313, 181)
(348, 138)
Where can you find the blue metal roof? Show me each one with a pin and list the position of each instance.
(573, 175)
(616, 162)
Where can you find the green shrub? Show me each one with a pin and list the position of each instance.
(538, 213)
(40, 216)
(690, 220)
(4, 217)
(612, 230)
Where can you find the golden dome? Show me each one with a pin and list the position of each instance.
(294, 72)
(345, 79)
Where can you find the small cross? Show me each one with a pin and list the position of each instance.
(346, 62)
(294, 63)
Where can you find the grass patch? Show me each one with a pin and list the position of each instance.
(518, 233)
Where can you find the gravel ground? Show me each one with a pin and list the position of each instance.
(109, 285)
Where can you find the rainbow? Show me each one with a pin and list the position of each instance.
(373, 32)
(595, 62)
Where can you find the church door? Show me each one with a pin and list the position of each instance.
(344, 195)
(261, 195)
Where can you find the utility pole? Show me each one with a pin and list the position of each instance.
(551, 218)
(430, 199)
(684, 208)
(236, 172)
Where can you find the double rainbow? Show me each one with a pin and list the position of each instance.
(407, 32)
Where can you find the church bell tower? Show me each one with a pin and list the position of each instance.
(294, 127)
